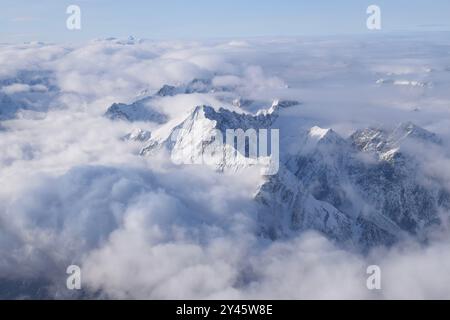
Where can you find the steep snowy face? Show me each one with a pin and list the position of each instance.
(288, 208)
(409, 130)
(314, 191)
(204, 138)
(320, 163)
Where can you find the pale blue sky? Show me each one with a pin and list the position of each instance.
(45, 20)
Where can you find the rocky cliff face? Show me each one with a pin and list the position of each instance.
(371, 178)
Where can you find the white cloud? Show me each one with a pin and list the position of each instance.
(74, 192)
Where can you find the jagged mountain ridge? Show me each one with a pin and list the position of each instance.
(204, 119)
(137, 111)
(142, 110)
(362, 182)
(367, 189)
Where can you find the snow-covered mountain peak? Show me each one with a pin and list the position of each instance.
(325, 140)
(137, 111)
(205, 131)
(318, 133)
(194, 86)
(370, 139)
(410, 130)
(168, 91)
(380, 198)
(388, 144)
(138, 135)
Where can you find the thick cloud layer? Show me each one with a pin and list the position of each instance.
(74, 192)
